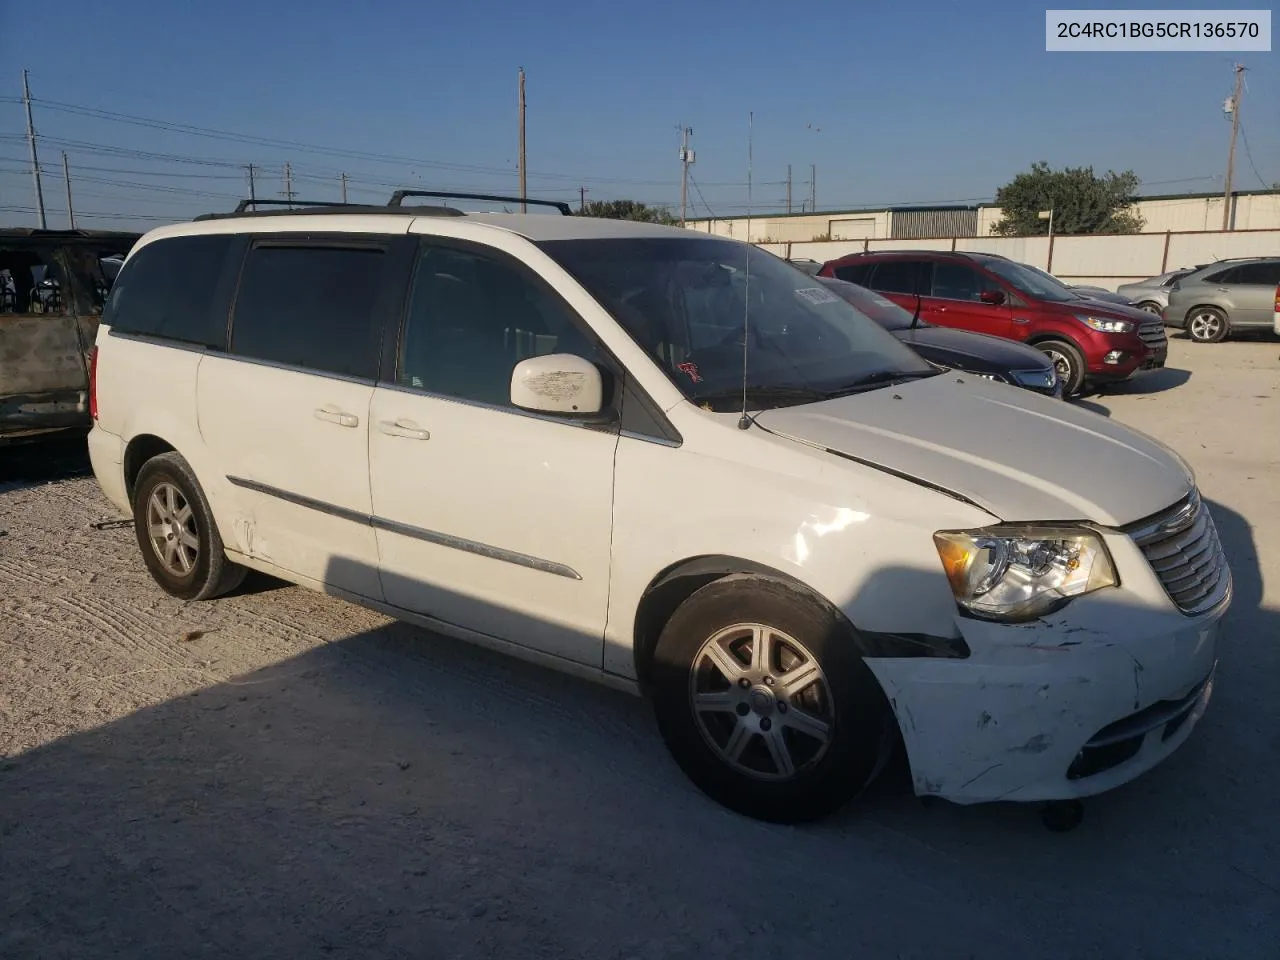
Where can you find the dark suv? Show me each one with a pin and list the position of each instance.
(1089, 341)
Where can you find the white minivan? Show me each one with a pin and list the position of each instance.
(675, 463)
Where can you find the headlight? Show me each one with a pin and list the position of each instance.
(1044, 378)
(1020, 573)
(1105, 325)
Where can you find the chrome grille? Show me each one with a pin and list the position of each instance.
(1151, 332)
(1182, 546)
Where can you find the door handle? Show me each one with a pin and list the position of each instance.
(1021, 320)
(332, 414)
(403, 428)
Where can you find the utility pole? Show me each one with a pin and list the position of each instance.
(524, 207)
(66, 179)
(582, 199)
(1233, 106)
(344, 188)
(31, 140)
(788, 188)
(288, 182)
(686, 158)
(813, 188)
(253, 192)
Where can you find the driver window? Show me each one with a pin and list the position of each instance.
(472, 317)
(32, 282)
(955, 281)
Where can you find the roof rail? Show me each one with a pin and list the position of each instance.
(244, 205)
(399, 195)
(298, 208)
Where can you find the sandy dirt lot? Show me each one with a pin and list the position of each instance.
(281, 774)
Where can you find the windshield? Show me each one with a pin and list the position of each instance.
(683, 301)
(882, 310)
(1031, 281)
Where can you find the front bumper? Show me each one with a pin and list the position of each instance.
(1071, 705)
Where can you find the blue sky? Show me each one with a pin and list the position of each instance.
(923, 102)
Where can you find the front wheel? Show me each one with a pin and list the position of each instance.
(765, 703)
(1068, 362)
(180, 543)
(1207, 325)
(1150, 306)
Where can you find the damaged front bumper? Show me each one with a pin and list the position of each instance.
(1067, 706)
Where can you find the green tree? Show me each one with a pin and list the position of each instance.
(628, 210)
(1082, 202)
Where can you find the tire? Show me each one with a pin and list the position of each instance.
(186, 556)
(1207, 325)
(1150, 306)
(801, 753)
(1068, 361)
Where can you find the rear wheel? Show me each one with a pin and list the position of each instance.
(765, 703)
(179, 541)
(1068, 361)
(1207, 325)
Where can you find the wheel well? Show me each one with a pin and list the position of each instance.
(141, 449)
(673, 586)
(1052, 337)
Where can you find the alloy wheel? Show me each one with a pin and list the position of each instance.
(171, 528)
(761, 701)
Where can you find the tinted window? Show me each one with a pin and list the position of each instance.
(1264, 273)
(167, 290)
(955, 281)
(312, 307)
(854, 273)
(472, 318)
(898, 276)
(1222, 276)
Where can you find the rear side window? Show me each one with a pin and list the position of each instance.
(168, 288)
(1261, 273)
(854, 273)
(311, 306)
(899, 276)
(1222, 276)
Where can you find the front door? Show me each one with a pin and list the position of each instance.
(956, 300)
(489, 518)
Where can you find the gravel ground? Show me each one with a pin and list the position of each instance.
(281, 774)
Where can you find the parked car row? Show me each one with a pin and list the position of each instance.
(1090, 342)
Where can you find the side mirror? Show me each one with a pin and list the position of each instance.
(993, 297)
(559, 383)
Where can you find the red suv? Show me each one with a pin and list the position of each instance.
(1089, 341)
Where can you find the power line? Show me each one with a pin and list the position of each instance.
(698, 190)
(1249, 154)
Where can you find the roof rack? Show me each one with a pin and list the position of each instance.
(399, 195)
(298, 208)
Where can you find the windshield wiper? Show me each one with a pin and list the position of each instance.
(764, 393)
(883, 378)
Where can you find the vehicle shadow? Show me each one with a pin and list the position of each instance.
(397, 793)
(34, 462)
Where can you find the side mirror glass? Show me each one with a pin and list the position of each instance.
(559, 383)
(994, 297)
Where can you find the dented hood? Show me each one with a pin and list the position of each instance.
(1020, 456)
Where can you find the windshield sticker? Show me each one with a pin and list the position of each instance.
(817, 295)
(691, 369)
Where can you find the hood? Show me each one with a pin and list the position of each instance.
(1020, 456)
(992, 353)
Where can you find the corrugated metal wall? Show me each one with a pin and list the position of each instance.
(910, 224)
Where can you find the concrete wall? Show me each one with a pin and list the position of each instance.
(1177, 214)
(1098, 261)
